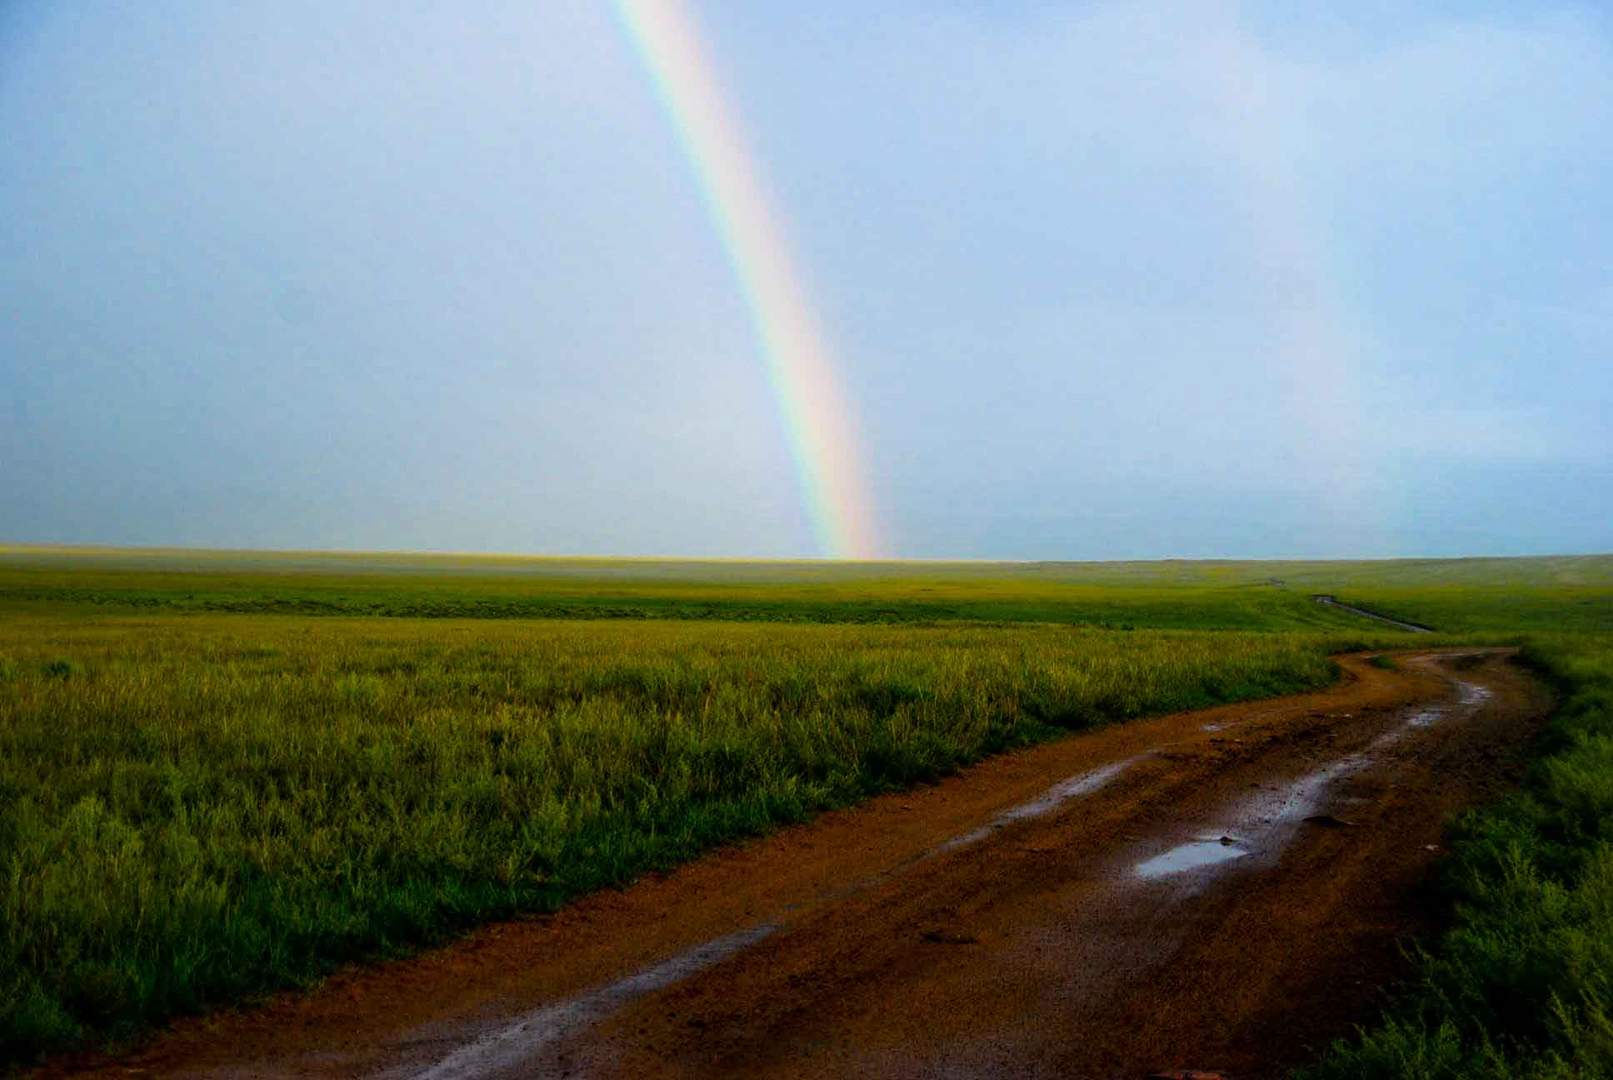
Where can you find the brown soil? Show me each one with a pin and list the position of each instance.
(942, 932)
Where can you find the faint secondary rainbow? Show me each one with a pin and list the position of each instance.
(823, 438)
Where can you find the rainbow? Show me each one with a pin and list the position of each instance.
(818, 418)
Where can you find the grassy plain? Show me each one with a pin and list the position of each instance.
(228, 772)
(1459, 595)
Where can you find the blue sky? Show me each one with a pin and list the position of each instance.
(1103, 280)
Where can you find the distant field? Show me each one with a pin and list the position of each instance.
(1451, 594)
(230, 772)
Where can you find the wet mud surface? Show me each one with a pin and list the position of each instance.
(1222, 890)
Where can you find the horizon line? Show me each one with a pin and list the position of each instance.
(81, 547)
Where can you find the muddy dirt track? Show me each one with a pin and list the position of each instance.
(1225, 889)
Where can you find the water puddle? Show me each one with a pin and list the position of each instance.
(1424, 718)
(518, 1043)
(1045, 803)
(1469, 696)
(1194, 855)
(1267, 821)
(1261, 825)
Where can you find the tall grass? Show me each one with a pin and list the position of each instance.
(1522, 984)
(200, 808)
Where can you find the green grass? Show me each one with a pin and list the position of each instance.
(1521, 986)
(1463, 595)
(225, 773)
(205, 807)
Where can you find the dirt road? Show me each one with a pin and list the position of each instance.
(1217, 890)
(1398, 624)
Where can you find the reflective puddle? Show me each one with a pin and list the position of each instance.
(1425, 718)
(519, 1046)
(1041, 806)
(1193, 855)
(1266, 822)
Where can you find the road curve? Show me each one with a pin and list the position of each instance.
(1224, 889)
